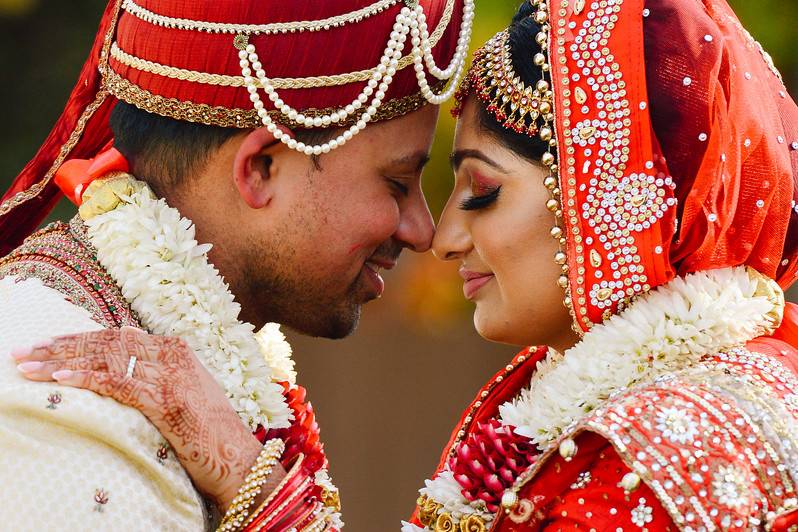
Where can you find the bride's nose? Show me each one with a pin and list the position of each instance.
(452, 237)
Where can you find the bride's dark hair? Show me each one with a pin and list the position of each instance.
(522, 47)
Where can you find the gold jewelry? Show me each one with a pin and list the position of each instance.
(238, 511)
(288, 477)
(227, 117)
(516, 105)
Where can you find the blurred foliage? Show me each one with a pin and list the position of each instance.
(16, 7)
(43, 46)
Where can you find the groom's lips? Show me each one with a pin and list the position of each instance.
(372, 268)
(473, 282)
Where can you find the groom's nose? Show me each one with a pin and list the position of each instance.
(416, 226)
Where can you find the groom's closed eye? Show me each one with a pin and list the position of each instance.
(411, 164)
(399, 186)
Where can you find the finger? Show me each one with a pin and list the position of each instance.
(69, 346)
(111, 343)
(143, 345)
(22, 352)
(43, 370)
(128, 391)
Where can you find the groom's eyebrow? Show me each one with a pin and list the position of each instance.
(457, 158)
(412, 163)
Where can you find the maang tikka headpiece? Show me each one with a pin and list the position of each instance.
(520, 107)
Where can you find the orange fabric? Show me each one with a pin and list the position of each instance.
(75, 175)
(594, 500)
(746, 170)
(686, 94)
(583, 494)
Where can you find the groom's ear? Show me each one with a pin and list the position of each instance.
(256, 162)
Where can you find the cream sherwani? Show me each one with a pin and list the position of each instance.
(70, 459)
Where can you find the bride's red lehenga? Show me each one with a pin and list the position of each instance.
(676, 156)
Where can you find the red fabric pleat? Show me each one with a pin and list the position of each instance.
(23, 220)
(725, 123)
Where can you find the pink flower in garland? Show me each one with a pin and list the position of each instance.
(488, 462)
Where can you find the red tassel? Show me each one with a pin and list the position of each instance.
(75, 175)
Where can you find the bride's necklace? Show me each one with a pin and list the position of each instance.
(670, 328)
(151, 252)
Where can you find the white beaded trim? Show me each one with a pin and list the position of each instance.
(257, 29)
(310, 82)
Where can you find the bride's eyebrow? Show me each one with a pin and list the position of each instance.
(456, 159)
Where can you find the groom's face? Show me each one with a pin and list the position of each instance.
(336, 226)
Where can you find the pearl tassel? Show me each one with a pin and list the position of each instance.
(382, 76)
(461, 52)
(408, 21)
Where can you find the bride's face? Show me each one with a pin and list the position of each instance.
(497, 225)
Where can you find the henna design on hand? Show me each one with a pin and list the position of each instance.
(172, 389)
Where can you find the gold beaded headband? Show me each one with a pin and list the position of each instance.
(522, 108)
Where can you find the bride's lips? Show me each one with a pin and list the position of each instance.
(474, 281)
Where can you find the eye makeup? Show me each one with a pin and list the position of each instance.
(480, 202)
(484, 192)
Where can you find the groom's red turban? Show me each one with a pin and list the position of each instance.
(179, 58)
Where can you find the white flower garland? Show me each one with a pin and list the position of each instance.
(677, 323)
(152, 254)
(447, 491)
(277, 353)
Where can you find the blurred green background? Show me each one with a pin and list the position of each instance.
(387, 397)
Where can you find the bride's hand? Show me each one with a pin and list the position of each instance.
(170, 387)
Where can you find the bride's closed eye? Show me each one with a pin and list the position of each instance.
(481, 201)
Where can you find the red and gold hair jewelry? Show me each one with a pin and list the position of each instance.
(520, 107)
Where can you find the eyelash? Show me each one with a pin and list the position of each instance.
(400, 187)
(480, 202)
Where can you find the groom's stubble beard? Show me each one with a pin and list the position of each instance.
(314, 302)
(312, 305)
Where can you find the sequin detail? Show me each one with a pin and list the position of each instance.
(712, 441)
